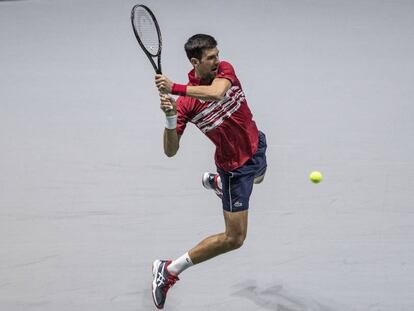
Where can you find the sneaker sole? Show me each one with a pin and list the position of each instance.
(204, 181)
(155, 266)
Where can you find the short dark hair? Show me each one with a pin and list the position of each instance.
(197, 44)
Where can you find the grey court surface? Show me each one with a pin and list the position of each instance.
(88, 200)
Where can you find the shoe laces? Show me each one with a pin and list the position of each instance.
(169, 282)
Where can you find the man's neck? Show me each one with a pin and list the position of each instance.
(197, 74)
(204, 80)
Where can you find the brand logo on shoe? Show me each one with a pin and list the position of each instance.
(160, 279)
(238, 204)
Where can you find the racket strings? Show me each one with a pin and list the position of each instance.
(147, 30)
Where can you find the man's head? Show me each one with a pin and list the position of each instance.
(202, 52)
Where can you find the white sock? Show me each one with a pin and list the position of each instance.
(180, 264)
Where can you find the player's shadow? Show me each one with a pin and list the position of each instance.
(276, 298)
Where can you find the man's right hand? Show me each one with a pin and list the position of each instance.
(168, 105)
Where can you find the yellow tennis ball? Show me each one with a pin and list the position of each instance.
(315, 177)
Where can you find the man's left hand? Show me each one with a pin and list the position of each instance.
(163, 84)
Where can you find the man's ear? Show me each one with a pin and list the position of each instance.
(194, 61)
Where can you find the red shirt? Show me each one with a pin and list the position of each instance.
(227, 122)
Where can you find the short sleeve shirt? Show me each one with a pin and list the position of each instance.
(227, 122)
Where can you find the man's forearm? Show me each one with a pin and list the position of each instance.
(205, 92)
(216, 91)
(171, 142)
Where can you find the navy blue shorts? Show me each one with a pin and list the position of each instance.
(238, 184)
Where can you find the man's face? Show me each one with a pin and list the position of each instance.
(207, 67)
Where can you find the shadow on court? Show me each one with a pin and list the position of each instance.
(278, 298)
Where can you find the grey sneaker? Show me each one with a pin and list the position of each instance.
(210, 182)
(162, 281)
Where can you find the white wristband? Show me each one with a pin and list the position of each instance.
(171, 122)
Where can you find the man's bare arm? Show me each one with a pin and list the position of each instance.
(215, 91)
(171, 142)
(171, 138)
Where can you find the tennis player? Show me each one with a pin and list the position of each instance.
(214, 101)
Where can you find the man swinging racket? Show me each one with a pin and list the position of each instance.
(214, 101)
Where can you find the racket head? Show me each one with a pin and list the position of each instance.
(148, 33)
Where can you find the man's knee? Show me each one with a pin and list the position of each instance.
(235, 241)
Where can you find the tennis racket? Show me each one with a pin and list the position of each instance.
(148, 34)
